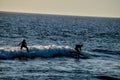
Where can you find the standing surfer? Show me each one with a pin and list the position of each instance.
(23, 44)
(78, 49)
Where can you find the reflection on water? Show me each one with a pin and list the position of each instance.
(54, 68)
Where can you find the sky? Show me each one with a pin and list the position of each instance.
(101, 8)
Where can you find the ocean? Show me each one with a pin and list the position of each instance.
(51, 40)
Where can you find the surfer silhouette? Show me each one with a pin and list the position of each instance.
(78, 49)
(23, 44)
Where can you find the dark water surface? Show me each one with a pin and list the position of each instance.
(54, 37)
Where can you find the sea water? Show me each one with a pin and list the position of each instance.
(51, 40)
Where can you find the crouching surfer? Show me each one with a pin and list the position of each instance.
(78, 49)
(23, 44)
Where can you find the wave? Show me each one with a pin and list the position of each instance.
(104, 54)
(106, 51)
(103, 77)
(48, 51)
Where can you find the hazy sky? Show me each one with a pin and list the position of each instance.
(108, 8)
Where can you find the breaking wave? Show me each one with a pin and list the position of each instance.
(48, 51)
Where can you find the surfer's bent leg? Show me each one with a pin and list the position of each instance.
(24, 47)
(21, 47)
(27, 48)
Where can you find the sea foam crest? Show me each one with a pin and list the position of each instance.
(36, 51)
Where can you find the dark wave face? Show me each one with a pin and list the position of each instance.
(48, 51)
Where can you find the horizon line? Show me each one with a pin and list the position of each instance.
(59, 14)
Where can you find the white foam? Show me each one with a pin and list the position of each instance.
(36, 51)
